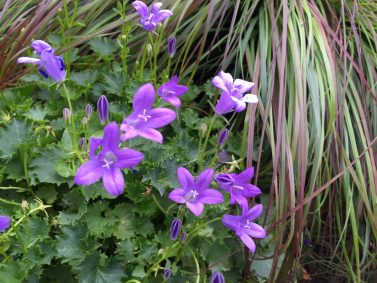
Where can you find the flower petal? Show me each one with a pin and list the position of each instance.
(245, 176)
(89, 173)
(248, 241)
(251, 191)
(225, 104)
(128, 158)
(162, 15)
(219, 83)
(130, 132)
(4, 222)
(195, 208)
(241, 200)
(243, 86)
(53, 65)
(177, 195)
(28, 60)
(141, 8)
(231, 221)
(250, 98)
(254, 212)
(40, 45)
(94, 144)
(113, 181)
(211, 196)
(156, 7)
(160, 117)
(151, 134)
(111, 137)
(144, 98)
(256, 231)
(175, 101)
(185, 178)
(204, 179)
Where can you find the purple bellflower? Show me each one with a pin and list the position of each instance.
(152, 17)
(167, 273)
(49, 64)
(239, 187)
(170, 91)
(244, 227)
(217, 277)
(144, 120)
(175, 228)
(103, 109)
(223, 137)
(109, 161)
(4, 223)
(232, 96)
(172, 41)
(195, 193)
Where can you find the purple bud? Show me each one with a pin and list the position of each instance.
(67, 115)
(223, 156)
(103, 109)
(82, 142)
(167, 273)
(217, 277)
(224, 179)
(4, 223)
(183, 236)
(171, 45)
(88, 110)
(223, 136)
(175, 227)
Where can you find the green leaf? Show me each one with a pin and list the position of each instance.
(11, 138)
(96, 268)
(69, 244)
(104, 47)
(36, 114)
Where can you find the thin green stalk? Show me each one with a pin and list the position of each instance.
(196, 264)
(206, 142)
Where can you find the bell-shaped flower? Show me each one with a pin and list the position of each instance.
(171, 90)
(49, 64)
(195, 193)
(217, 277)
(4, 223)
(172, 42)
(144, 120)
(108, 162)
(232, 96)
(175, 228)
(243, 226)
(150, 18)
(239, 187)
(103, 109)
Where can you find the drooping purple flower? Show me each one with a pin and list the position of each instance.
(167, 273)
(232, 96)
(144, 120)
(195, 193)
(170, 91)
(223, 156)
(88, 111)
(67, 115)
(217, 277)
(171, 45)
(109, 161)
(175, 228)
(244, 227)
(239, 187)
(223, 136)
(50, 64)
(150, 18)
(103, 108)
(4, 223)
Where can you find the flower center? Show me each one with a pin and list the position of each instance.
(239, 188)
(191, 195)
(144, 116)
(109, 159)
(225, 179)
(247, 225)
(166, 92)
(148, 19)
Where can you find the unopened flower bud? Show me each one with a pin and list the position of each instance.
(103, 109)
(82, 142)
(167, 273)
(171, 45)
(217, 277)
(223, 136)
(183, 236)
(88, 110)
(203, 130)
(67, 115)
(175, 228)
(24, 204)
(149, 49)
(84, 121)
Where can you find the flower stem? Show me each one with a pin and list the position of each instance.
(73, 118)
(158, 204)
(206, 142)
(197, 275)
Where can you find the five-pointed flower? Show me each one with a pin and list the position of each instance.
(244, 227)
(50, 64)
(109, 161)
(152, 17)
(195, 193)
(144, 120)
(4, 223)
(239, 187)
(232, 96)
(170, 91)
